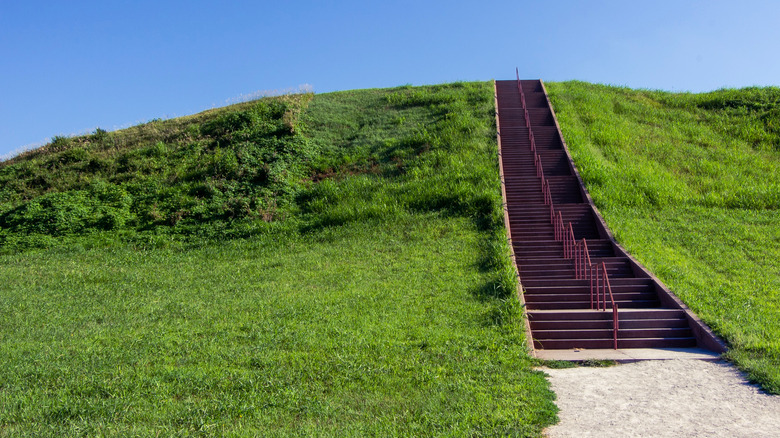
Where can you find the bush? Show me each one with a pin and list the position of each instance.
(102, 207)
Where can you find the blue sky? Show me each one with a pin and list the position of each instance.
(69, 67)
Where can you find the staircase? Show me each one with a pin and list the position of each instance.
(558, 238)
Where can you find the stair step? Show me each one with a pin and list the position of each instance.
(607, 324)
(583, 305)
(539, 290)
(585, 297)
(556, 344)
(607, 333)
(583, 282)
(627, 314)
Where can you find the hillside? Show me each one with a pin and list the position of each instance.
(336, 264)
(330, 265)
(209, 174)
(690, 185)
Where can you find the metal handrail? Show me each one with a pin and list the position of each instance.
(607, 287)
(522, 95)
(569, 242)
(592, 269)
(582, 261)
(539, 167)
(536, 164)
(552, 208)
(571, 248)
(547, 195)
(602, 288)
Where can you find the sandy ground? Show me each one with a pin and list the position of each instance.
(662, 398)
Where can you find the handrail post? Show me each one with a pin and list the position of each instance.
(536, 163)
(552, 209)
(591, 286)
(615, 324)
(578, 266)
(604, 285)
(577, 260)
(615, 317)
(587, 252)
(598, 299)
(571, 242)
(548, 195)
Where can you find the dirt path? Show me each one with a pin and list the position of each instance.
(663, 398)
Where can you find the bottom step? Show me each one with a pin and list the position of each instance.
(624, 355)
(559, 344)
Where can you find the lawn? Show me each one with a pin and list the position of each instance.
(371, 329)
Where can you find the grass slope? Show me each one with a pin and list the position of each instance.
(374, 297)
(212, 174)
(690, 185)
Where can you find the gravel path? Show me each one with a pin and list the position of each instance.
(663, 398)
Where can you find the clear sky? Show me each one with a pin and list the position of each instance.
(69, 67)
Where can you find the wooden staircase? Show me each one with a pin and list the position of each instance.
(559, 305)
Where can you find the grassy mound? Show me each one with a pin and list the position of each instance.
(322, 266)
(209, 174)
(690, 185)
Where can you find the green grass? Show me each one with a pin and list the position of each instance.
(377, 300)
(371, 329)
(690, 185)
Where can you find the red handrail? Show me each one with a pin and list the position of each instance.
(536, 163)
(571, 248)
(568, 243)
(607, 287)
(592, 269)
(586, 254)
(602, 288)
(547, 195)
(552, 209)
(582, 259)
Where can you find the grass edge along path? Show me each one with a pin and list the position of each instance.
(690, 185)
